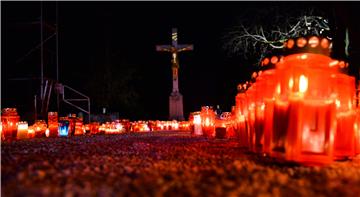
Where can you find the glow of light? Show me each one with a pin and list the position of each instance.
(197, 119)
(119, 126)
(291, 83)
(349, 104)
(31, 131)
(356, 127)
(207, 122)
(312, 141)
(145, 127)
(303, 84)
(23, 126)
(338, 104)
(262, 107)
(304, 56)
(333, 63)
(47, 132)
(64, 130)
(242, 118)
(278, 88)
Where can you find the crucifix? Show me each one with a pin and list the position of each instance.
(175, 99)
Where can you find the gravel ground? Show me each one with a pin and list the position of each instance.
(161, 164)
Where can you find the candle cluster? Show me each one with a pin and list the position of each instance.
(300, 106)
(12, 128)
(207, 123)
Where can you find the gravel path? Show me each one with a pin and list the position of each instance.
(161, 164)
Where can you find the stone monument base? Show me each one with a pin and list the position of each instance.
(176, 106)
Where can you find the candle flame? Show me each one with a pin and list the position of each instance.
(47, 132)
(207, 122)
(333, 63)
(349, 104)
(304, 56)
(337, 102)
(291, 83)
(278, 88)
(197, 119)
(31, 131)
(303, 84)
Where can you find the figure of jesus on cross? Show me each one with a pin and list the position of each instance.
(175, 99)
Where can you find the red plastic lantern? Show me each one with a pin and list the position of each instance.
(22, 130)
(79, 127)
(197, 130)
(241, 113)
(40, 128)
(304, 122)
(344, 146)
(207, 121)
(53, 124)
(9, 120)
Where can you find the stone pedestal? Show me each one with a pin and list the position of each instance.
(176, 106)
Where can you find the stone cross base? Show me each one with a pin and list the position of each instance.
(176, 106)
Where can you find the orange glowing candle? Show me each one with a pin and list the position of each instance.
(79, 129)
(53, 124)
(197, 124)
(40, 128)
(357, 132)
(31, 132)
(22, 130)
(208, 121)
(94, 128)
(9, 119)
(346, 116)
(220, 128)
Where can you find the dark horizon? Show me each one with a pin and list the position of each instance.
(110, 47)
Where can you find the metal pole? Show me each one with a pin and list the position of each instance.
(89, 110)
(57, 56)
(35, 108)
(41, 52)
(57, 42)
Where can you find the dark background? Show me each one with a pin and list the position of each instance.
(107, 51)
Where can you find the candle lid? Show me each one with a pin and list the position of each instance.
(308, 44)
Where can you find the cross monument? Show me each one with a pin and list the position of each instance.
(175, 100)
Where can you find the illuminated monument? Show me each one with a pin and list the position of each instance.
(175, 100)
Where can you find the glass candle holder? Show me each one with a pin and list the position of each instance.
(344, 146)
(22, 130)
(79, 129)
(53, 124)
(40, 128)
(357, 132)
(9, 119)
(304, 121)
(31, 132)
(94, 128)
(64, 127)
(197, 124)
(208, 121)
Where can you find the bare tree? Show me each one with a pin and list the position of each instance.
(256, 40)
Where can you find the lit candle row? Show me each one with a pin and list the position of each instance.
(290, 113)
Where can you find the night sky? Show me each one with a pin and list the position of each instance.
(107, 51)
